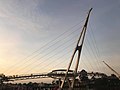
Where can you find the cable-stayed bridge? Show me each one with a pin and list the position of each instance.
(66, 75)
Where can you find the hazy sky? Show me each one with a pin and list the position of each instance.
(28, 25)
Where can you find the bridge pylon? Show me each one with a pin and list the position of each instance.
(78, 49)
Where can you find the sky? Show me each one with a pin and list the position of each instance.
(37, 36)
